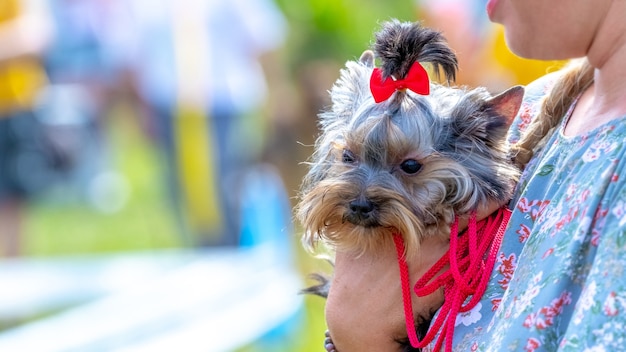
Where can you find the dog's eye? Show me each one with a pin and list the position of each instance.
(347, 157)
(410, 166)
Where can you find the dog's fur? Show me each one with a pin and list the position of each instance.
(408, 164)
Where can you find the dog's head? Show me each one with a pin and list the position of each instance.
(410, 163)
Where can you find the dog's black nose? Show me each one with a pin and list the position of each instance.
(362, 212)
(361, 206)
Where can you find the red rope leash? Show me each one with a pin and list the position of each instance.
(468, 274)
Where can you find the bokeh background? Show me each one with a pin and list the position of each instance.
(143, 128)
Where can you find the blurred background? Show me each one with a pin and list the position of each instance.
(150, 157)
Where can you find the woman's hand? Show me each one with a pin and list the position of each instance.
(364, 310)
(481, 213)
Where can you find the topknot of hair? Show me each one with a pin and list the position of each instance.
(400, 44)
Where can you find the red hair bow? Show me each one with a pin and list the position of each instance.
(416, 81)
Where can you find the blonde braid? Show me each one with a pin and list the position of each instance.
(577, 77)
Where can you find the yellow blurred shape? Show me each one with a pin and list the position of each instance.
(197, 172)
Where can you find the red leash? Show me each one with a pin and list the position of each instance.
(470, 258)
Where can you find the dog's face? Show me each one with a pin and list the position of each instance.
(406, 165)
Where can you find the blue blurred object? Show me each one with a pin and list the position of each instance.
(265, 209)
(266, 220)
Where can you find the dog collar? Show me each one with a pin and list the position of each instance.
(470, 260)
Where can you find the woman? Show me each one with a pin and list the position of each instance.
(560, 279)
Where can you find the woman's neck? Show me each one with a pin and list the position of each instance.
(607, 55)
(605, 99)
(610, 81)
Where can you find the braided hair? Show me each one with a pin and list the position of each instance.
(576, 78)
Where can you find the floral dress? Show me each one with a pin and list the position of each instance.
(560, 280)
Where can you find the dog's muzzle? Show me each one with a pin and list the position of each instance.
(362, 212)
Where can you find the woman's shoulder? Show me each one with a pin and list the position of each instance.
(534, 93)
(542, 85)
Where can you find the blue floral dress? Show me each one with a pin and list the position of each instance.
(560, 280)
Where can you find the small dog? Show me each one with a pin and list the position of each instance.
(401, 154)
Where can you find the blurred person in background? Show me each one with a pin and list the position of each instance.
(24, 35)
(84, 66)
(198, 74)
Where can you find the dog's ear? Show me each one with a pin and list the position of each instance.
(476, 139)
(478, 118)
(367, 58)
(351, 90)
(507, 103)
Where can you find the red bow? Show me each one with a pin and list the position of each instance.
(416, 80)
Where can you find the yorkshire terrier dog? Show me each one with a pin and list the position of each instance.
(401, 154)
